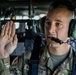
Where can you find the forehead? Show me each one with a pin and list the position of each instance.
(59, 12)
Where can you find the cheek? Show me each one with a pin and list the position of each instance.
(45, 31)
(63, 33)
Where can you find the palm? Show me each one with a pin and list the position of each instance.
(8, 40)
(10, 46)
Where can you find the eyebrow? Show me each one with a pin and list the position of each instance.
(59, 21)
(55, 20)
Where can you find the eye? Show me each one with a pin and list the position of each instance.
(59, 25)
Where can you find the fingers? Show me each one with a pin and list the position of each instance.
(13, 30)
(8, 29)
(15, 40)
(3, 30)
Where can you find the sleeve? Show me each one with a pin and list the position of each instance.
(4, 66)
(19, 65)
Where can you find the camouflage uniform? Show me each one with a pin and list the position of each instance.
(4, 66)
(21, 66)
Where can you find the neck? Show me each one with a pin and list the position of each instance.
(62, 49)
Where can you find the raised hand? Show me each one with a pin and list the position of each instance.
(8, 40)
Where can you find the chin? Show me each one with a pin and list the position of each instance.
(53, 44)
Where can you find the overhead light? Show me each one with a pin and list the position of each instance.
(8, 18)
(2, 18)
(42, 15)
(25, 17)
(18, 17)
(36, 18)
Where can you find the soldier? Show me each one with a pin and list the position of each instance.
(58, 57)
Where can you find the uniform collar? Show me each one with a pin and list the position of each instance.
(45, 59)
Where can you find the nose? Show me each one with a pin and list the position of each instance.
(52, 29)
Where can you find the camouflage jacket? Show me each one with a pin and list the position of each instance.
(20, 65)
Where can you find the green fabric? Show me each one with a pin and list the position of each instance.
(1, 65)
(65, 68)
(22, 66)
(3, 69)
(57, 59)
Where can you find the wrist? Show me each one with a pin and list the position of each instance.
(3, 56)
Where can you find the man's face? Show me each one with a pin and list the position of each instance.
(57, 24)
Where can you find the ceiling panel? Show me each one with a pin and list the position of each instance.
(25, 7)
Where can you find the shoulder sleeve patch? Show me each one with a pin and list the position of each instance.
(15, 61)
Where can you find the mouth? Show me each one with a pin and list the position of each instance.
(51, 37)
(56, 40)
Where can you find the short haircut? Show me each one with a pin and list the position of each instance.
(60, 3)
(63, 3)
